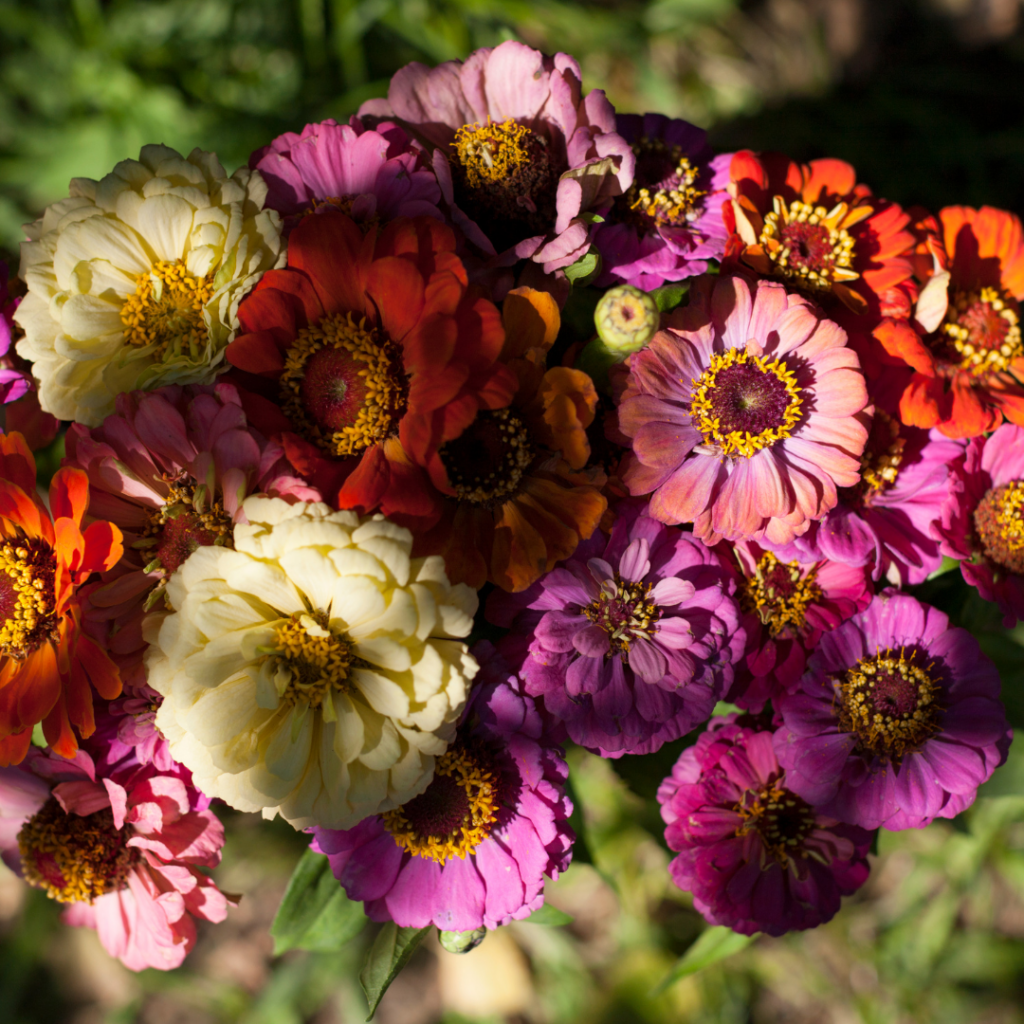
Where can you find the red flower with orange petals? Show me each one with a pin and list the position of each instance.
(964, 347)
(48, 666)
(815, 228)
(378, 352)
(521, 495)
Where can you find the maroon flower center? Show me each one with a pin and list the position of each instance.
(487, 462)
(781, 818)
(880, 463)
(890, 702)
(780, 593)
(27, 597)
(187, 521)
(74, 858)
(999, 521)
(625, 612)
(810, 247)
(663, 192)
(981, 332)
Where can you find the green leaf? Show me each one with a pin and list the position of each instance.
(586, 267)
(315, 913)
(948, 565)
(714, 944)
(550, 916)
(38, 739)
(389, 953)
(669, 296)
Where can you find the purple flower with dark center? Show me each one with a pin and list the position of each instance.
(756, 856)
(630, 642)
(475, 847)
(897, 720)
(668, 224)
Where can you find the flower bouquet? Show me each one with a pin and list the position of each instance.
(489, 422)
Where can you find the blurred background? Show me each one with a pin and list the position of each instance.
(926, 98)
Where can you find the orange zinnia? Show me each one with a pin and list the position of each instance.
(48, 666)
(815, 228)
(521, 497)
(964, 346)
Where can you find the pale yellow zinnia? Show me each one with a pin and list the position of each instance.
(134, 281)
(314, 671)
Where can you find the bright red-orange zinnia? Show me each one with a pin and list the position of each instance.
(815, 228)
(378, 352)
(520, 494)
(48, 666)
(964, 346)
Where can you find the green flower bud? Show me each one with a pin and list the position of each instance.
(462, 942)
(626, 319)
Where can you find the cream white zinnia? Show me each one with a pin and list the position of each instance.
(134, 281)
(312, 671)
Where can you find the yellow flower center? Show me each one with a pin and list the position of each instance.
(676, 199)
(625, 612)
(780, 593)
(317, 661)
(882, 458)
(487, 462)
(742, 403)
(27, 597)
(890, 703)
(999, 520)
(490, 153)
(456, 812)
(166, 310)
(343, 385)
(190, 518)
(808, 244)
(983, 328)
(74, 858)
(782, 819)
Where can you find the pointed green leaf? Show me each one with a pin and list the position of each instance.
(712, 945)
(585, 267)
(315, 913)
(550, 916)
(389, 953)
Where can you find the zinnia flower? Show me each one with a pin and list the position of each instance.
(134, 280)
(378, 352)
(124, 850)
(787, 604)
(48, 665)
(371, 174)
(757, 857)
(897, 720)
(964, 347)
(745, 415)
(631, 641)
(14, 380)
(982, 521)
(475, 847)
(312, 671)
(814, 227)
(519, 495)
(522, 155)
(668, 223)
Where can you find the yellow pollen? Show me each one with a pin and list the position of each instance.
(783, 820)
(74, 858)
(461, 771)
(999, 522)
(780, 593)
(27, 598)
(166, 310)
(316, 660)
(811, 259)
(735, 442)
(491, 152)
(208, 515)
(497, 480)
(879, 468)
(625, 612)
(674, 206)
(980, 359)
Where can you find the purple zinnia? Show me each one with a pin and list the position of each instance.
(982, 519)
(14, 380)
(370, 174)
(897, 720)
(668, 224)
(474, 848)
(756, 856)
(630, 642)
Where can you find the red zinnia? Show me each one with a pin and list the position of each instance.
(378, 352)
(48, 666)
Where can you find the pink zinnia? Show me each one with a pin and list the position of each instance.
(475, 847)
(124, 850)
(982, 521)
(522, 155)
(745, 415)
(756, 857)
(371, 174)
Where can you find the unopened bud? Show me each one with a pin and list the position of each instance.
(626, 319)
(462, 942)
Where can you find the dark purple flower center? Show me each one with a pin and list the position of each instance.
(890, 702)
(981, 332)
(506, 178)
(781, 819)
(880, 463)
(744, 403)
(625, 612)
(184, 524)
(780, 593)
(999, 521)
(27, 597)
(664, 192)
(74, 858)
(486, 463)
